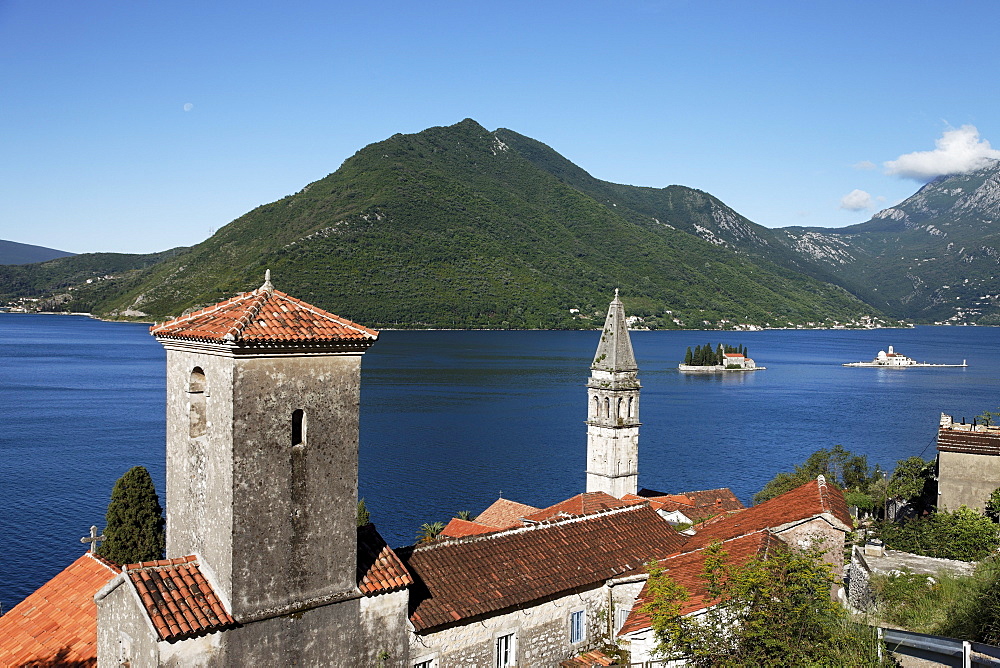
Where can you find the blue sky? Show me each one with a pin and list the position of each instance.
(139, 126)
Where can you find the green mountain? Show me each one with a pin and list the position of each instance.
(12, 252)
(932, 258)
(77, 282)
(462, 227)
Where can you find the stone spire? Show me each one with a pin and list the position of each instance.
(613, 410)
(614, 352)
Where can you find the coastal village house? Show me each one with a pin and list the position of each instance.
(266, 566)
(968, 463)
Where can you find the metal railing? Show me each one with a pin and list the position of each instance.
(946, 651)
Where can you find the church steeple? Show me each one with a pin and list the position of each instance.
(613, 410)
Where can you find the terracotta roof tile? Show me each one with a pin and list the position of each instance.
(979, 442)
(588, 660)
(804, 502)
(696, 506)
(263, 316)
(178, 599)
(379, 569)
(582, 504)
(686, 570)
(464, 578)
(456, 528)
(57, 624)
(504, 513)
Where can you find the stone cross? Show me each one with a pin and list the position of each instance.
(93, 538)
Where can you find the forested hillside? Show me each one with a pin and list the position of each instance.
(456, 227)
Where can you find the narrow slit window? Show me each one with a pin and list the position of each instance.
(197, 410)
(298, 427)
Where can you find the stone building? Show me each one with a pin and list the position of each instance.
(613, 417)
(968, 464)
(262, 442)
(812, 515)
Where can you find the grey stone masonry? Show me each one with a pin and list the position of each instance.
(613, 410)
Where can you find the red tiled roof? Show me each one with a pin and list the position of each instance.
(457, 528)
(802, 503)
(464, 578)
(504, 513)
(582, 504)
(262, 316)
(969, 442)
(686, 570)
(57, 624)
(179, 601)
(696, 506)
(379, 569)
(588, 660)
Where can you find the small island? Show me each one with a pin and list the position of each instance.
(705, 359)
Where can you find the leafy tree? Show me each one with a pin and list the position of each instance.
(772, 611)
(135, 521)
(992, 509)
(363, 516)
(465, 515)
(989, 418)
(429, 531)
(913, 481)
(838, 465)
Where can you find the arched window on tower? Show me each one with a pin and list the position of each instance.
(595, 408)
(631, 407)
(197, 418)
(298, 427)
(607, 407)
(619, 413)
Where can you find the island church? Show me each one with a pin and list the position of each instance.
(266, 566)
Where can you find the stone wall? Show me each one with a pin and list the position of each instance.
(385, 630)
(542, 631)
(859, 593)
(324, 636)
(272, 518)
(966, 479)
(123, 632)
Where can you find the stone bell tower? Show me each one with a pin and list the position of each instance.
(262, 449)
(613, 410)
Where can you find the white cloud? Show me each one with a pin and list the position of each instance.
(865, 165)
(188, 106)
(856, 200)
(958, 151)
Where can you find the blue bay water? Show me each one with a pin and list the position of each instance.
(452, 420)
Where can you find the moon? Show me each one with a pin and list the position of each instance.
(188, 106)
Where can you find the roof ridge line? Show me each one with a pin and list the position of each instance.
(201, 311)
(532, 527)
(257, 302)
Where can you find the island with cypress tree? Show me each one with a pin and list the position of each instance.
(720, 358)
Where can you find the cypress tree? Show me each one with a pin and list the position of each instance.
(134, 519)
(687, 356)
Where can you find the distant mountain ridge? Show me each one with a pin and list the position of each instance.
(462, 227)
(13, 252)
(935, 257)
(456, 227)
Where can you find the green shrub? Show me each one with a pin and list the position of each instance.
(964, 534)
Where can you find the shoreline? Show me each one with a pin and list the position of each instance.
(594, 329)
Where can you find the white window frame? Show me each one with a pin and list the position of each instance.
(578, 626)
(505, 658)
(621, 615)
(425, 663)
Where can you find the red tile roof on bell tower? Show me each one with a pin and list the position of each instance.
(263, 316)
